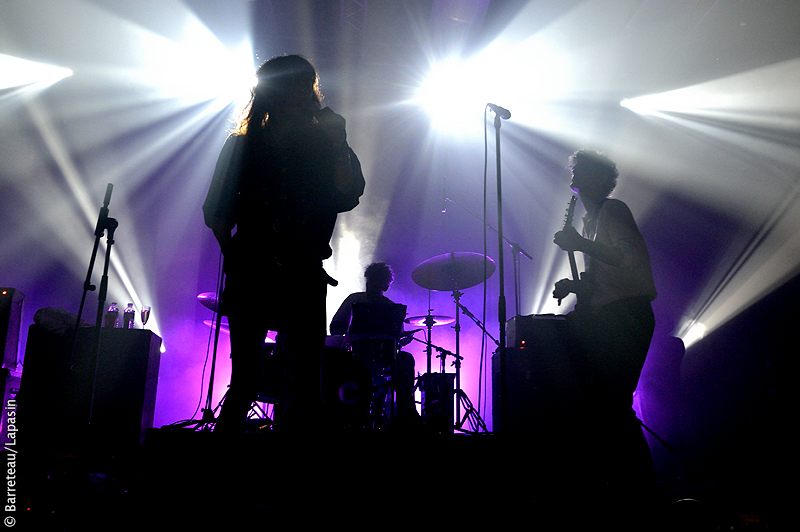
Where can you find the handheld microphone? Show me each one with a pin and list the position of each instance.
(502, 112)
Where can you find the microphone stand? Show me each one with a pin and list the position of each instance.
(110, 225)
(471, 316)
(100, 227)
(516, 250)
(501, 303)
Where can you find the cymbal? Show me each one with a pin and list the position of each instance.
(453, 271)
(225, 329)
(209, 300)
(422, 321)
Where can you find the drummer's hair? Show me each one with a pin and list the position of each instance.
(379, 272)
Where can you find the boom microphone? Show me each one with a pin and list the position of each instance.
(502, 112)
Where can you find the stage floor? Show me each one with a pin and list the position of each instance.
(197, 480)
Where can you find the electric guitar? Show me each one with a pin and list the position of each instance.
(573, 266)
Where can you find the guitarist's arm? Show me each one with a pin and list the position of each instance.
(569, 240)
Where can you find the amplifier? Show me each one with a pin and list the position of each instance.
(65, 408)
(11, 301)
(544, 381)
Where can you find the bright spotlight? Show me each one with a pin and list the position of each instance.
(15, 72)
(638, 105)
(694, 334)
(689, 99)
(180, 70)
(520, 77)
(454, 94)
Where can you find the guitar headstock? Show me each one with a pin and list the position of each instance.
(570, 211)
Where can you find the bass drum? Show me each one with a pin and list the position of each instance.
(346, 389)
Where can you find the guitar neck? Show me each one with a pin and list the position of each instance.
(573, 266)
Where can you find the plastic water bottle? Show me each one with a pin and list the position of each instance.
(112, 316)
(128, 316)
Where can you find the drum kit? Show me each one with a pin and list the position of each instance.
(449, 272)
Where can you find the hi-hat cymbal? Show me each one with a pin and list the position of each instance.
(209, 300)
(422, 321)
(453, 271)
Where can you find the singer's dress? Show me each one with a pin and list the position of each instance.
(283, 202)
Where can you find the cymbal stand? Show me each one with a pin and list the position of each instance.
(441, 350)
(461, 396)
(429, 322)
(471, 316)
(457, 298)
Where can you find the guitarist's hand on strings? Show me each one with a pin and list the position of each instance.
(563, 288)
(568, 239)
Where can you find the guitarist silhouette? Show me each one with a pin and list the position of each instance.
(611, 327)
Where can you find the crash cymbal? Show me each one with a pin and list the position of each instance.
(223, 328)
(453, 271)
(422, 321)
(209, 300)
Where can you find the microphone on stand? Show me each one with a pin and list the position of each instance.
(502, 112)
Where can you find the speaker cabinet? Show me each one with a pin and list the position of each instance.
(10, 315)
(544, 381)
(84, 400)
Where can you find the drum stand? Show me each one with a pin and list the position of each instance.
(461, 396)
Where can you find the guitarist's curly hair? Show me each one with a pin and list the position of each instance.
(600, 166)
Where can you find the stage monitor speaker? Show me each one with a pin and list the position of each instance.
(64, 409)
(543, 379)
(11, 301)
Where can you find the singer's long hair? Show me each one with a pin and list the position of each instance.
(283, 81)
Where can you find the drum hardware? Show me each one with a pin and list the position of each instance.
(406, 338)
(370, 355)
(453, 272)
(429, 321)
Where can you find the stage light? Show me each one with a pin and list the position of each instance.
(521, 77)
(693, 334)
(199, 69)
(454, 94)
(344, 266)
(15, 72)
(749, 116)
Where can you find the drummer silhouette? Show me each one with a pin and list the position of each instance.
(383, 317)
